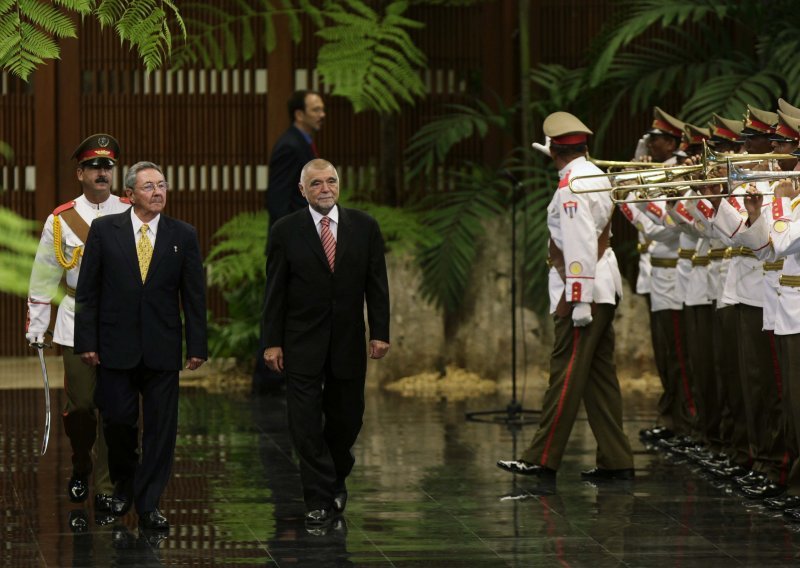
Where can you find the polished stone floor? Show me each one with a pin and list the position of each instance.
(425, 492)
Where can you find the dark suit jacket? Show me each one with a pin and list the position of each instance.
(126, 321)
(314, 314)
(290, 153)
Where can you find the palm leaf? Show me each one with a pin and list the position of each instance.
(456, 217)
(637, 16)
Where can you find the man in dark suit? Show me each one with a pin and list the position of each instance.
(293, 150)
(139, 269)
(323, 263)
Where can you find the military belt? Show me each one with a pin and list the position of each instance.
(787, 280)
(686, 253)
(742, 251)
(701, 260)
(664, 262)
(717, 254)
(643, 247)
(771, 266)
(70, 291)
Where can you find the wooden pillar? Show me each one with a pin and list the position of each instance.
(500, 68)
(280, 70)
(68, 128)
(45, 123)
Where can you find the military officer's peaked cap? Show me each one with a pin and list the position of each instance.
(665, 124)
(98, 150)
(726, 129)
(787, 108)
(565, 128)
(758, 121)
(695, 134)
(786, 129)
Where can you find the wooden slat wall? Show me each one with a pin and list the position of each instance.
(212, 133)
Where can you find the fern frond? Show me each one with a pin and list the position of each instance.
(362, 48)
(47, 17)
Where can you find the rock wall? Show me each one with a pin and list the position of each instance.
(479, 338)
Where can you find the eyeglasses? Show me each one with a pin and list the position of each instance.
(150, 187)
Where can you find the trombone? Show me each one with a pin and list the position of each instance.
(611, 164)
(736, 176)
(709, 159)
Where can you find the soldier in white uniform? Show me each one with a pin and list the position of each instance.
(758, 370)
(59, 257)
(585, 285)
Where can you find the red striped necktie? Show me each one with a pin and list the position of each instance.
(314, 149)
(328, 242)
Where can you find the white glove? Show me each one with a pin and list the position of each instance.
(34, 337)
(581, 314)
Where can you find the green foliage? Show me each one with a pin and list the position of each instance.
(17, 251)
(402, 229)
(236, 266)
(456, 217)
(430, 145)
(30, 29)
(370, 60)
(221, 38)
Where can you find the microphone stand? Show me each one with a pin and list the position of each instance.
(513, 413)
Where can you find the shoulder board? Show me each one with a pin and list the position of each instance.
(125, 200)
(64, 207)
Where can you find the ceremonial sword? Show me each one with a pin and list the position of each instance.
(40, 350)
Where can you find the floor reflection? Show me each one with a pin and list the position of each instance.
(425, 492)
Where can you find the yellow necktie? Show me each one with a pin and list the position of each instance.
(144, 250)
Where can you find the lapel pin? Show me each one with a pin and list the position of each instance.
(176, 248)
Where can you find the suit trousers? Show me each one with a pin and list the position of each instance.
(325, 416)
(676, 405)
(84, 430)
(761, 384)
(789, 352)
(582, 369)
(117, 396)
(733, 430)
(699, 345)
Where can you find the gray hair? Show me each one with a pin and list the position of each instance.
(318, 164)
(130, 175)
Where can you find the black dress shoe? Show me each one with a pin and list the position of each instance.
(600, 474)
(122, 499)
(782, 502)
(763, 491)
(792, 515)
(317, 517)
(339, 502)
(78, 521)
(655, 433)
(524, 468)
(751, 478)
(153, 521)
(102, 502)
(78, 488)
(122, 538)
(729, 472)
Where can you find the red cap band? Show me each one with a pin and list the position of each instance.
(569, 139)
(725, 133)
(96, 153)
(667, 127)
(787, 131)
(755, 124)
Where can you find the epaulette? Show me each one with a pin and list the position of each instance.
(125, 200)
(64, 207)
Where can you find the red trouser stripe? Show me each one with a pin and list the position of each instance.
(687, 390)
(576, 336)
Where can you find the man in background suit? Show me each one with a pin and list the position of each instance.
(323, 263)
(293, 150)
(139, 269)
